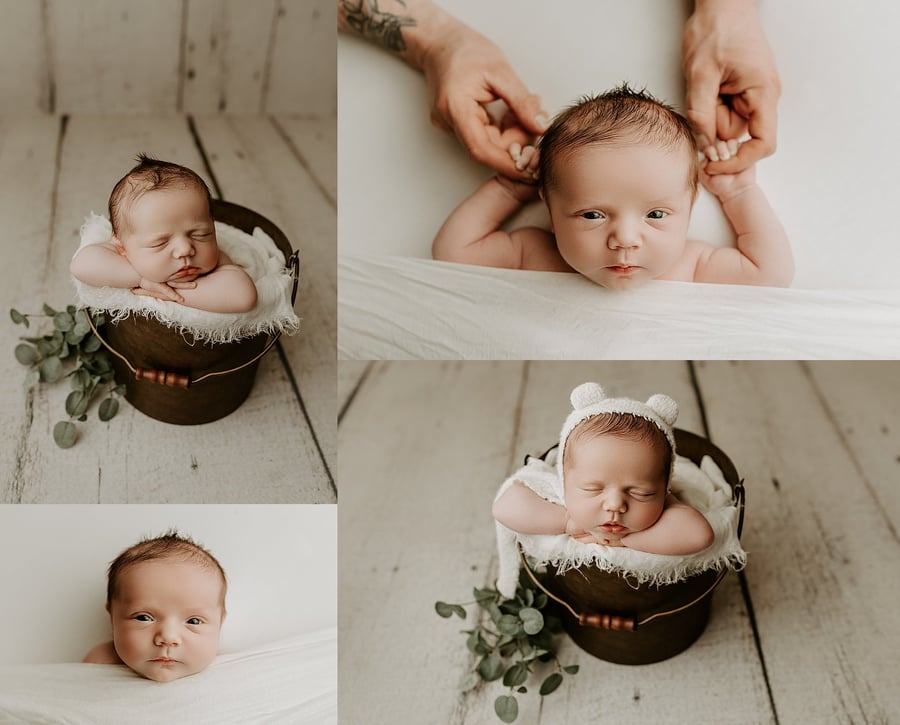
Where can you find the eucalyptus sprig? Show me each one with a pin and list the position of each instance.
(511, 635)
(73, 351)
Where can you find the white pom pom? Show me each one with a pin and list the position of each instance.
(664, 407)
(586, 394)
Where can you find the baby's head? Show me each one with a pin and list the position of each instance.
(166, 602)
(615, 460)
(162, 223)
(619, 173)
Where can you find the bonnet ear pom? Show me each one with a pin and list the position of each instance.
(586, 394)
(664, 406)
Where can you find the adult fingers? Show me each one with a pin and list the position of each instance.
(523, 103)
(762, 124)
(485, 145)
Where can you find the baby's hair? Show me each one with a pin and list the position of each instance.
(623, 425)
(621, 116)
(170, 545)
(150, 174)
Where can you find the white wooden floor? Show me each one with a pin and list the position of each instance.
(808, 633)
(279, 447)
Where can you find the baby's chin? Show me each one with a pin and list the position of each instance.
(611, 281)
(166, 674)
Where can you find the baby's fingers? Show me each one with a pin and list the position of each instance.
(182, 285)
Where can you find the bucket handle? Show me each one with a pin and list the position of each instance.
(614, 621)
(177, 380)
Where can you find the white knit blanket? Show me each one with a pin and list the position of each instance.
(703, 487)
(257, 253)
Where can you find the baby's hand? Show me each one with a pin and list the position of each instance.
(161, 290)
(728, 186)
(526, 158)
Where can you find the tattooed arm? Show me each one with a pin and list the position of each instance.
(465, 71)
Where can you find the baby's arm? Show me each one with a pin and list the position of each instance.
(103, 654)
(763, 255)
(103, 265)
(228, 288)
(679, 530)
(522, 510)
(472, 234)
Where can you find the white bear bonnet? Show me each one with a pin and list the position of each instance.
(589, 399)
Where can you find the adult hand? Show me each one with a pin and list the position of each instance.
(732, 82)
(465, 73)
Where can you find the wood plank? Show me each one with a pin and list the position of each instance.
(25, 84)
(350, 374)
(27, 176)
(255, 168)
(822, 572)
(394, 478)
(423, 446)
(226, 52)
(115, 56)
(303, 73)
(863, 399)
(263, 453)
(315, 143)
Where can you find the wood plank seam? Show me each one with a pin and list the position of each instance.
(301, 159)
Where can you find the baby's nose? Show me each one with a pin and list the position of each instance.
(624, 236)
(182, 247)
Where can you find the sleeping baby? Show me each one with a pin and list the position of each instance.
(166, 603)
(615, 462)
(619, 174)
(164, 244)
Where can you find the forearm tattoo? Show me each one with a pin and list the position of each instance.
(367, 20)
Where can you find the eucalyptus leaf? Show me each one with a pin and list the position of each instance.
(65, 434)
(90, 344)
(110, 406)
(80, 379)
(443, 609)
(51, 369)
(26, 354)
(71, 310)
(532, 620)
(490, 668)
(508, 624)
(74, 337)
(516, 675)
(48, 310)
(17, 316)
(119, 390)
(571, 669)
(76, 403)
(63, 321)
(32, 378)
(470, 682)
(507, 708)
(551, 683)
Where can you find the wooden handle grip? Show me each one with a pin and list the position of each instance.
(163, 377)
(606, 621)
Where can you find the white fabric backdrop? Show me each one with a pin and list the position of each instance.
(281, 564)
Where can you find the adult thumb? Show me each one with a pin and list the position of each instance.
(702, 100)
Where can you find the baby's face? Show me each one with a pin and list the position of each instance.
(620, 214)
(166, 618)
(168, 235)
(614, 486)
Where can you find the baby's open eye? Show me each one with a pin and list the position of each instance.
(657, 214)
(194, 620)
(144, 618)
(591, 215)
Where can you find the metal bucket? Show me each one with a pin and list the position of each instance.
(174, 378)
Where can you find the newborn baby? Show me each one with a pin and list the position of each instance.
(615, 461)
(166, 604)
(164, 243)
(619, 175)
